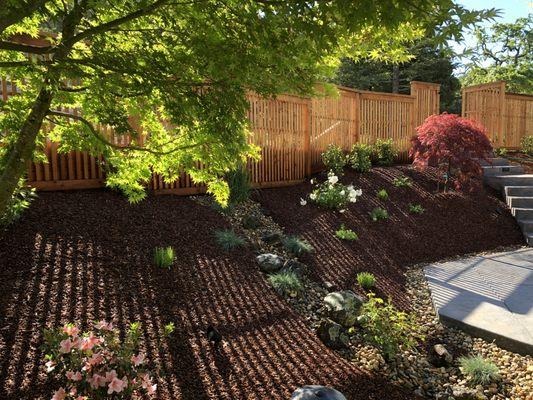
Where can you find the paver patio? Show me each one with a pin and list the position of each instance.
(490, 295)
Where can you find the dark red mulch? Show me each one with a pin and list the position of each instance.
(453, 224)
(84, 256)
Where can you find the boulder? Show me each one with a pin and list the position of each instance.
(269, 262)
(332, 334)
(316, 392)
(272, 237)
(343, 307)
(439, 356)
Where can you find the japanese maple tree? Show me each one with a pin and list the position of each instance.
(454, 145)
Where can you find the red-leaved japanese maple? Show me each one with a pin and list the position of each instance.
(454, 145)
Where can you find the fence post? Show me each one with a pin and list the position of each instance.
(308, 111)
(501, 122)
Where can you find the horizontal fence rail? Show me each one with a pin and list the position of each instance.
(507, 117)
(291, 131)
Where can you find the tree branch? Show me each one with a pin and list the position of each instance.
(12, 14)
(4, 45)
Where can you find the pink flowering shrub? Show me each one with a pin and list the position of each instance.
(96, 365)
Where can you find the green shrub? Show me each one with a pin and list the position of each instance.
(386, 327)
(19, 202)
(239, 185)
(479, 370)
(382, 195)
(360, 157)
(286, 283)
(296, 246)
(527, 145)
(366, 280)
(164, 256)
(332, 194)
(500, 152)
(416, 209)
(334, 159)
(383, 152)
(346, 234)
(228, 239)
(378, 213)
(403, 181)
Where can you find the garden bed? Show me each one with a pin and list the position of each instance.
(85, 256)
(452, 224)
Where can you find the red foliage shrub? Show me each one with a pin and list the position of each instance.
(452, 144)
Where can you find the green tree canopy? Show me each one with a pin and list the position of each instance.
(502, 52)
(180, 69)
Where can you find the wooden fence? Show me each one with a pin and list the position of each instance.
(508, 117)
(291, 131)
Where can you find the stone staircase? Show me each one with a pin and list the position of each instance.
(517, 189)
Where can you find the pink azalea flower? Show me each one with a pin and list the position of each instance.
(50, 366)
(89, 342)
(65, 346)
(147, 384)
(71, 330)
(109, 376)
(97, 381)
(73, 376)
(117, 385)
(103, 325)
(60, 394)
(96, 359)
(138, 359)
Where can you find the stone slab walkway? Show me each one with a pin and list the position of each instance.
(490, 296)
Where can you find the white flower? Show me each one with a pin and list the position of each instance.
(312, 196)
(303, 202)
(359, 192)
(352, 199)
(342, 193)
(312, 181)
(350, 188)
(333, 179)
(341, 211)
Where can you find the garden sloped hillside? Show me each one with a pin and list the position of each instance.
(85, 256)
(452, 224)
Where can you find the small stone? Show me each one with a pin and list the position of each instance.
(269, 262)
(332, 334)
(316, 392)
(329, 286)
(343, 307)
(439, 356)
(272, 237)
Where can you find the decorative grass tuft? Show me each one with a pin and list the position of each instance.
(479, 370)
(296, 246)
(286, 283)
(228, 239)
(164, 257)
(378, 214)
(416, 209)
(366, 280)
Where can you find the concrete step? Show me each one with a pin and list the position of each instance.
(495, 162)
(524, 191)
(522, 213)
(519, 202)
(529, 239)
(500, 181)
(526, 225)
(502, 170)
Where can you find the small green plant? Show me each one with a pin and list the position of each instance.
(239, 185)
(332, 194)
(19, 202)
(334, 159)
(416, 209)
(164, 256)
(366, 280)
(500, 152)
(346, 234)
(228, 239)
(527, 145)
(296, 246)
(168, 329)
(360, 157)
(402, 181)
(382, 195)
(383, 152)
(388, 328)
(479, 370)
(286, 283)
(378, 214)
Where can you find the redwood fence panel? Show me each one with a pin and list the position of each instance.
(507, 117)
(291, 131)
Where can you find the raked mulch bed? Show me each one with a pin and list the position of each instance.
(87, 255)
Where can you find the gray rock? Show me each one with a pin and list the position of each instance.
(439, 356)
(462, 393)
(332, 334)
(272, 237)
(343, 307)
(329, 286)
(269, 262)
(316, 392)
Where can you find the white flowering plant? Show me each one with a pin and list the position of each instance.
(333, 194)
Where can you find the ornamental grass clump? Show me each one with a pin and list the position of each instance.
(346, 234)
(97, 364)
(360, 157)
(378, 214)
(239, 185)
(164, 256)
(286, 283)
(228, 239)
(332, 194)
(296, 246)
(366, 280)
(334, 159)
(479, 370)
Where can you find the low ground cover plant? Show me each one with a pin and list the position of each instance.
(500, 152)
(334, 159)
(97, 364)
(416, 209)
(19, 202)
(386, 327)
(479, 370)
(286, 283)
(366, 280)
(527, 145)
(402, 181)
(454, 145)
(332, 194)
(346, 234)
(360, 157)
(382, 195)
(384, 152)
(228, 239)
(296, 246)
(164, 256)
(378, 214)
